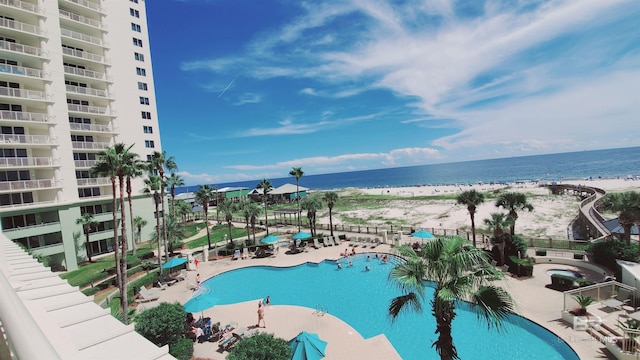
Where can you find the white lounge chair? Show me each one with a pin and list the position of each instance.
(245, 253)
(336, 240)
(316, 244)
(146, 296)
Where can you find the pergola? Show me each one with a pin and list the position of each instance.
(281, 215)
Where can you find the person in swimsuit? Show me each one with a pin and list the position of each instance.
(261, 315)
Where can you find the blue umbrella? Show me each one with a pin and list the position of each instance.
(176, 261)
(200, 302)
(307, 346)
(270, 239)
(422, 234)
(301, 235)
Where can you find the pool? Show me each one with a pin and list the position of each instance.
(361, 298)
(569, 273)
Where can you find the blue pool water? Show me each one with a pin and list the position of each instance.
(361, 298)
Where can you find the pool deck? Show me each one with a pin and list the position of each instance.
(534, 301)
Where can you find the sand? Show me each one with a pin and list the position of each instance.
(550, 218)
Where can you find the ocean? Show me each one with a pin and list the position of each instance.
(595, 164)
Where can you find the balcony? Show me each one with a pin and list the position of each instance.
(21, 27)
(84, 55)
(86, 73)
(24, 116)
(21, 49)
(25, 162)
(94, 182)
(21, 5)
(86, 91)
(81, 19)
(89, 145)
(82, 37)
(86, 4)
(21, 70)
(23, 94)
(84, 164)
(26, 185)
(90, 127)
(98, 110)
(27, 139)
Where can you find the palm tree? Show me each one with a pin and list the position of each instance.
(512, 202)
(175, 232)
(183, 208)
(312, 204)
(172, 181)
(88, 223)
(497, 223)
(159, 161)
(450, 264)
(627, 205)
(203, 196)
(133, 170)
(228, 207)
(331, 197)
(139, 223)
(266, 186)
(471, 199)
(152, 186)
(250, 211)
(297, 173)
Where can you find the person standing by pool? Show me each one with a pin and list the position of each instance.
(267, 301)
(261, 315)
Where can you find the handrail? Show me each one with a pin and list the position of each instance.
(25, 49)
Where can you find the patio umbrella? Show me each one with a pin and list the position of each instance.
(176, 261)
(301, 236)
(422, 234)
(307, 346)
(270, 239)
(200, 303)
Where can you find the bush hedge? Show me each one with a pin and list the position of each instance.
(163, 324)
(182, 349)
(90, 291)
(562, 282)
(520, 267)
(541, 252)
(578, 256)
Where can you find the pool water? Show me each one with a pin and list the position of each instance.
(361, 298)
(570, 273)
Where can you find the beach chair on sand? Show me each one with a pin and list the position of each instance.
(325, 241)
(375, 243)
(146, 296)
(316, 244)
(336, 241)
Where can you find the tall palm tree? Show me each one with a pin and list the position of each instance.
(250, 211)
(88, 223)
(228, 207)
(297, 173)
(139, 223)
(513, 202)
(152, 186)
(133, 170)
(266, 186)
(497, 223)
(471, 199)
(173, 180)
(159, 161)
(450, 264)
(331, 197)
(627, 205)
(312, 204)
(203, 196)
(183, 208)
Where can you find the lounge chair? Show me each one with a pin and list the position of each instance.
(316, 244)
(336, 241)
(236, 255)
(166, 280)
(245, 253)
(146, 296)
(375, 243)
(161, 286)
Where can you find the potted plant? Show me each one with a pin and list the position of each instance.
(583, 302)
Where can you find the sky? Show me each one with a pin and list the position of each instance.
(250, 89)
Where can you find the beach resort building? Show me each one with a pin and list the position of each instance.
(75, 78)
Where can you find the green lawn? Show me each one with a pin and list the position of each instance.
(217, 235)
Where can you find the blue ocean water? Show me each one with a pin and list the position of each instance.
(611, 163)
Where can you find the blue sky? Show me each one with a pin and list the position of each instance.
(249, 89)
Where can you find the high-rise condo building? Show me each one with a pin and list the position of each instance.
(75, 78)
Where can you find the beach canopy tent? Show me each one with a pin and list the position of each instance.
(270, 239)
(176, 261)
(301, 236)
(423, 234)
(307, 346)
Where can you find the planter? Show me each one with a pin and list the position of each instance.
(541, 252)
(580, 323)
(617, 351)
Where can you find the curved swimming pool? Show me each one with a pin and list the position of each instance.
(361, 298)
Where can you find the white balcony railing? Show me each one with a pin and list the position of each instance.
(90, 127)
(83, 55)
(85, 163)
(20, 26)
(23, 116)
(88, 109)
(86, 91)
(83, 72)
(94, 181)
(21, 70)
(19, 48)
(81, 19)
(26, 185)
(22, 93)
(25, 162)
(89, 145)
(86, 4)
(22, 5)
(27, 139)
(82, 37)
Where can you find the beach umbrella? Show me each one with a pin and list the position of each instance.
(176, 261)
(307, 346)
(301, 235)
(270, 239)
(200, 303)
(422, 234)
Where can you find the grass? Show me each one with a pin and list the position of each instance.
(217, 235)
(90, 272)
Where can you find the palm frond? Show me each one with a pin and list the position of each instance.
(493, 305)
(405, 303)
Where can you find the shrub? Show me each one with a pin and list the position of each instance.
(541, 252)
(133, 261)
(578, 256)
(144, 254)
(562, 282)
(231, 245)
(261, 346)
(182, 350)
(163, 324)
(605, 253)
(90, 291)
(520, 267)
(584, 282)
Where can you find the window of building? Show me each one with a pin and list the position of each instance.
(146, 115)
(141, 71)
(134, 12)
(18, 221)
(95, 209)
(138, 56)
(147, 129)
(9, 130)
(16, 198)
(15, 175)
(137, 42)
(10, 107)
(13, 153)
(142, 86)
(149, 157)
(89, 192)
(149, 144)
(82, 138)
(84, 156)
(135, 27)
(144, 100)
